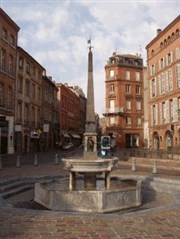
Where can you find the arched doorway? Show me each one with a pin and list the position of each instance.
(155, 140)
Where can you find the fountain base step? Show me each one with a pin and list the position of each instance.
(99, 201)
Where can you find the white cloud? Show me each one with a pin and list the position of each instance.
(55, 34)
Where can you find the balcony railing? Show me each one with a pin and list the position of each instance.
(6, 105)
(113, 111)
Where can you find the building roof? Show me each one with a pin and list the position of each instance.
(2, 13)
(29, 56)
(162, 32)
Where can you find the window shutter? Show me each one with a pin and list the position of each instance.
(160, 113)
(175, 109)
(155, 86)
(177, 53)
(167, 111)
(151, 113)
(159, 80)
(156, 113)
(150, 88)
(171, 56)
(166, 81)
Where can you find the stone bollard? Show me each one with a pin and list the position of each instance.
(35, 160)
(0, 162)
(56, 159)
(18, 163)
(133, 165)
(155, 166)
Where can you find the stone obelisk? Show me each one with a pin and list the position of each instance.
(90, 135)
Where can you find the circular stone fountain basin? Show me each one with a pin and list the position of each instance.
(55, 195)
(86, 165)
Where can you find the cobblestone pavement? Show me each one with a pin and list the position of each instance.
(17, 223)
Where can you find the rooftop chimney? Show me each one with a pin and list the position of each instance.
(158, 31)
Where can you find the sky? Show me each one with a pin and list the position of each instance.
(55, 33)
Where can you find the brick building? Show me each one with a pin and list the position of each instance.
(50, 115)
(163, 60)
(70, 114)
(28, 121)
(124, 99)
(8, 48)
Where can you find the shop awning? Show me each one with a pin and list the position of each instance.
(76, 136)
(66, 135)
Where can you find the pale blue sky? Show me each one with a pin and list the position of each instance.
(55, 33)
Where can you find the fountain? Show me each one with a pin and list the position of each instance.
(90, 171)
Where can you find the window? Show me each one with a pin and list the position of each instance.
(111, 105)
(33, 91)
(169, 59)
(1, 94)
(137, 76)
(19, 111)
(163, 112)
(139, 121)
(128, 121)
(153, 87)
(34, 71)
(20, 85)
(177, 53)
(21, 62)
(128, 89)
(161, 63)
(11, 64)
(12, 40)
(112, 120)
(111, 73)
(171, 110)
(10, 98)
(28, 68)
(26, 113)
(111, 88)
(178, 75)
(170, 78)
(27, 90)
(138, 89)
(138, 105)
(33, 115)
(128, 104)
(39, 93)
(154, 114)
(3, 59)
(4, 33)
(127, 75)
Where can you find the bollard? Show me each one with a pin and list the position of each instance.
(155, 166)
(35, 160)
(56, 159)
(133, 165)
(0, 162)
(18, 163)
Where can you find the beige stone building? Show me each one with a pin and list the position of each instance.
(163, 61)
